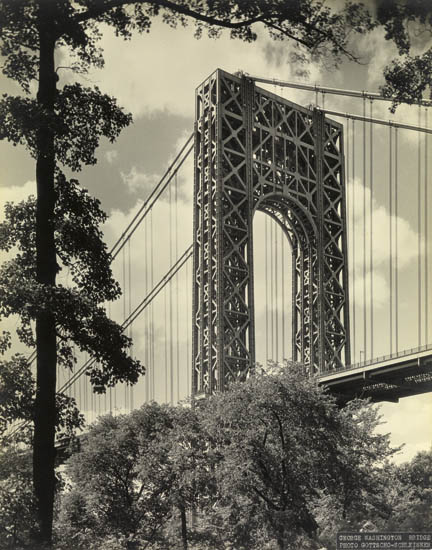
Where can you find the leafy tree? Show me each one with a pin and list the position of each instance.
(410, 494)
(17, 504)
(136, 478)
(18, 519)
(63, 125)
(400, 500)
(271, 463)
(190, 463)
(409, 76)
(120, 485)
(284, 442)
(75, 310)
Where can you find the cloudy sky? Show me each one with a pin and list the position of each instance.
(154, 77)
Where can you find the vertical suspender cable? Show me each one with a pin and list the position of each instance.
(73, 369)
(348, 188)
(188, 329)
(131, 390)
(171, 303)
(97, 404)
(86, 390)
(283, 241)
(391, 236)
(419, 277)
(266, 287)
(396, 213)
(165, 345)
(426, 233)
(276, 293)
(124, 315)
(364, 233)
(80, 392)
(69, 385)
(152, 335)
(371, 258)
(271, 291)
(111, 389)
(177, 290)
(146, 315)
(353, 241)
(91, 397)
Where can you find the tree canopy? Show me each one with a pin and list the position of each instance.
(255, 463)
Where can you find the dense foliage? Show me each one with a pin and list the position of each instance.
(260, 466)
(271, 464)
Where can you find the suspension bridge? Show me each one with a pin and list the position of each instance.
(278, 232)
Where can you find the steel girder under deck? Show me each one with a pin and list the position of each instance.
(257, 151)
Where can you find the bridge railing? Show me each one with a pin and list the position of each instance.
(381, 359)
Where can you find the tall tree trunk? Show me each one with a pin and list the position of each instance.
(46, 267)
(183, 526)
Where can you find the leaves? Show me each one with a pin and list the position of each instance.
(17, 393)
(119, 479)
(408, 79)
(83, 116)
(282, 440)
(17, 503)
(78, 315)
(267, 462)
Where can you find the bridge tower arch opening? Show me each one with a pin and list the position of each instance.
(255, 151)
(273, 300)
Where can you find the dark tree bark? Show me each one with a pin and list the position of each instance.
(46, 268)
(183, 526)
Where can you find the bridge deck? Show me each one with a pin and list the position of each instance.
(387, 378)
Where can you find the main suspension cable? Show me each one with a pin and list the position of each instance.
(378, 121)
(161, 285)
(153, 197)
(335, 91)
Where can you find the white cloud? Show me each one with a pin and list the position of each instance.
(399, 422)
(15, 194)
(407, 249)
(377, 52)
(111, 155)
(160, 70)
(139, 181)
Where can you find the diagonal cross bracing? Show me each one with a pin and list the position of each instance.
(257, 151)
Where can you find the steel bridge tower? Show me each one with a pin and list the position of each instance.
(257, 151)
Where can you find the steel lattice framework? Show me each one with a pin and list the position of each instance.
(257, 151)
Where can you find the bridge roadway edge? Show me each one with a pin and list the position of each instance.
(389, 378)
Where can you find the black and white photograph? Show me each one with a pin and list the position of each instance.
(215, 274)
